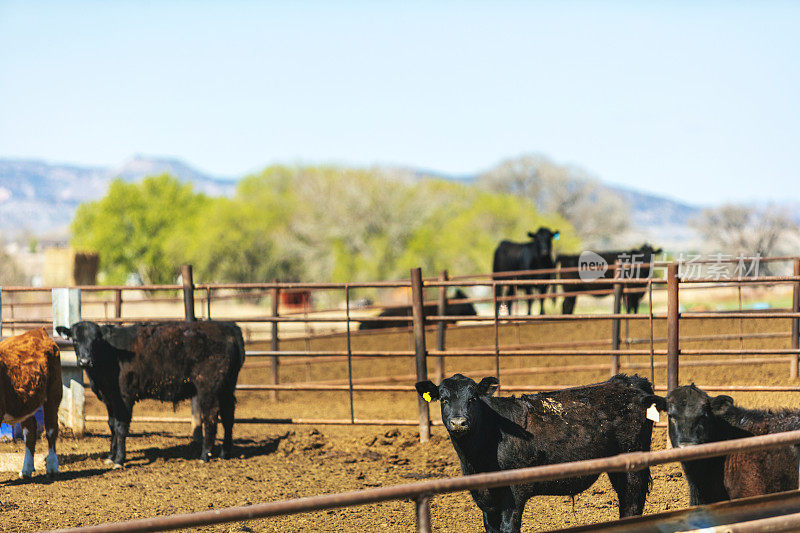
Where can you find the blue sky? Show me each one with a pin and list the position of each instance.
(698, 101)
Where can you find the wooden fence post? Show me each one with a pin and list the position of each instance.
(441, 328)
(795, 321)
(420, 350)
(615, 322)
(67, 311)
(673, 317)
(188, 292)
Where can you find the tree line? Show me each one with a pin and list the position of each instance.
(309, 223)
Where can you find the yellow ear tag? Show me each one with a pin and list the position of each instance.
(652, 413)
(426, 396)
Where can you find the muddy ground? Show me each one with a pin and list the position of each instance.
(280, 461)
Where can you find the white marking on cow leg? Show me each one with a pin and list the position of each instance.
(51, 462)
(27, 464)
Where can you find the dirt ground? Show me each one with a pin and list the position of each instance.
(277, 462)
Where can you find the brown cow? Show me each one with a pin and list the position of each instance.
(30, 377)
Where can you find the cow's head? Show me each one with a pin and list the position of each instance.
(86, 337)
(460, 399)
(692, 414)
(543, 241)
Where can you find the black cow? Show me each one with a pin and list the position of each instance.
(491, 434)
(697, 418)
(534, 255)
(630, 259)
(451, 309)
(168, 362)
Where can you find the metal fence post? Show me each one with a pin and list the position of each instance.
(349, 354)
(1, 313)
(118, 303)
(423, 513)
(420, 350)
(440, 328)
(274, 340)
(795, 321)
(188, 292)
(615, 322)
(673, 317)
(67, 311)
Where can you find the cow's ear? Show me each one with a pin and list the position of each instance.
(653, 399)
(427, 390)
(660, 250)
(720, 404)
(64, 332)
(556, 235)
(532, 235)
(487, 386)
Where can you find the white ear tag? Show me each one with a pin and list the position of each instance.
(652, 413)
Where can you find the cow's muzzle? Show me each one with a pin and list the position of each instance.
(459, 425)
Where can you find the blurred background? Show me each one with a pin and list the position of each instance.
(352, 141)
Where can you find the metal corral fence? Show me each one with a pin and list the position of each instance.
(771, 512)
(767, 512)
(419, 320)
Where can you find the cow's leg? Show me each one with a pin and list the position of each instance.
(29, 434)
(511, 519)
(51, 431)
(227, 408)
(542, 292)
(492, 521)
(528, 291)
(210, 409)
(568, 305)
(631, 489)
(112, 427)
(498, 293)
(511, 294)
(122, 423)
(197, 422)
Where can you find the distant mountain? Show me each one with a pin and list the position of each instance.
(662, 221)
(139, 166)
(40, 197)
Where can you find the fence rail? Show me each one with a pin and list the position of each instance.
(419, 320)
(421, 492)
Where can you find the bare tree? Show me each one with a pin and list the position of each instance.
(599, 216)
(10, 271)
(747, 231)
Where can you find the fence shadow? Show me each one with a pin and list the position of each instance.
(242, 449)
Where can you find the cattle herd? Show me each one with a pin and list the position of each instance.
(201, 361)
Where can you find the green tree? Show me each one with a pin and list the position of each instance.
(462, 231)
(131, 225)
(242, 239)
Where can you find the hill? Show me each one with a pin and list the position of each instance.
(40, 198)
